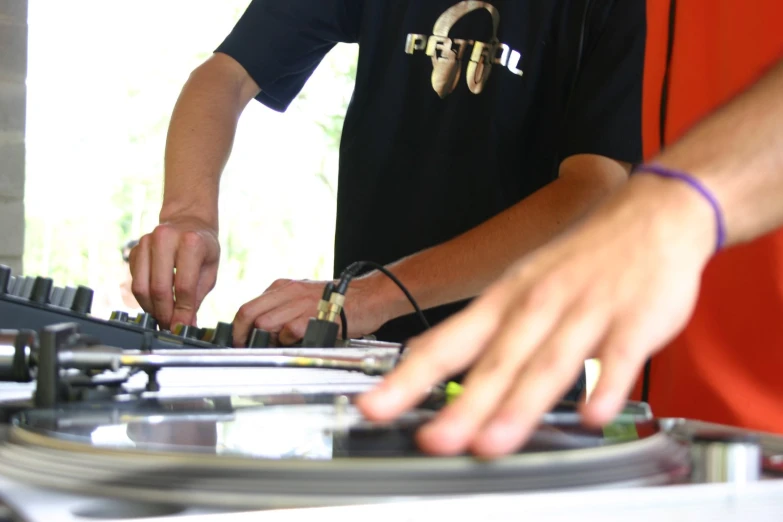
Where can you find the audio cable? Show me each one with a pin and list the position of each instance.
(322, 330)
(355, 268)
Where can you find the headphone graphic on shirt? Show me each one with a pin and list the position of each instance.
(447, 67)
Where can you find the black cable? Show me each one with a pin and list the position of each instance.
(578, 69)
(667, 73)
(328, 289)
(354, 269)
(344, 320)
(664, 110)
(581, 48)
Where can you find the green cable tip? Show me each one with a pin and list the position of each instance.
(453, 390)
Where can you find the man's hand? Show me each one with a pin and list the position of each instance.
(285, 308)
(618, 287)
(191, 247)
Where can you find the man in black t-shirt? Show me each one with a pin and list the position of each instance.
(477, 131)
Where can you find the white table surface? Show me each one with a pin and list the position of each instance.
(758, 502)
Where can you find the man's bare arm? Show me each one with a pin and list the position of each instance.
(463, 267)
(738, 153)
(201, 134)
(455, 270)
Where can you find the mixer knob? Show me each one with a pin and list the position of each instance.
(146, 320)
(5, 278)
(57, 296)
(224, 335)
(258, 339)
(205, 334)
(119, 315)
(42, 288)
(68, 296)
(16, 286)
(26, 289)
(187, 331)
(82, 301)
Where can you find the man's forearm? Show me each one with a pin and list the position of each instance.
(738, 154)
(463, 267)
(200, 138)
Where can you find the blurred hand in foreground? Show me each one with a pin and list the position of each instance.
(617, 287)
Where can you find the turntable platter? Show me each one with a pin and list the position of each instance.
(294, 450)
(294, 426)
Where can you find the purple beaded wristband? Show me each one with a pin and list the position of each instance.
(699, 187)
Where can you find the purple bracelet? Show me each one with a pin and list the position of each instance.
(700, 188)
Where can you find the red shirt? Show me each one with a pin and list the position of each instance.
(727, 366)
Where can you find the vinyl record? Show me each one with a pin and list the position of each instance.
(295, 450)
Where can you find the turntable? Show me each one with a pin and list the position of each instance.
(102, 422)
(293, 450)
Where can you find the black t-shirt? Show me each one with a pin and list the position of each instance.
(459, 109)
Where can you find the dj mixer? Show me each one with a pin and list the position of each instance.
(33, 302)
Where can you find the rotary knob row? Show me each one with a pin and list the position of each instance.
(41, 290)
(258, 339)
(221, 335)
(143, 319)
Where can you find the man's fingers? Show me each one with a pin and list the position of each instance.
(542, 382)
(206, 282)
(189, 262)
(140, 270)
(276, 319)
(278, 284)
(528, 322)
(432, 357)
(622, 357)
(293, 331)
(162, 251)
(286, 301)
(248, 312)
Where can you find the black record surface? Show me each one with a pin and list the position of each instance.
(293, 450)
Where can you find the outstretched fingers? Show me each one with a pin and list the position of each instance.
(433, 357)
(548, 369)
(622, 358)
(527, 322)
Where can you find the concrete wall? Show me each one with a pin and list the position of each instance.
(13, 71)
